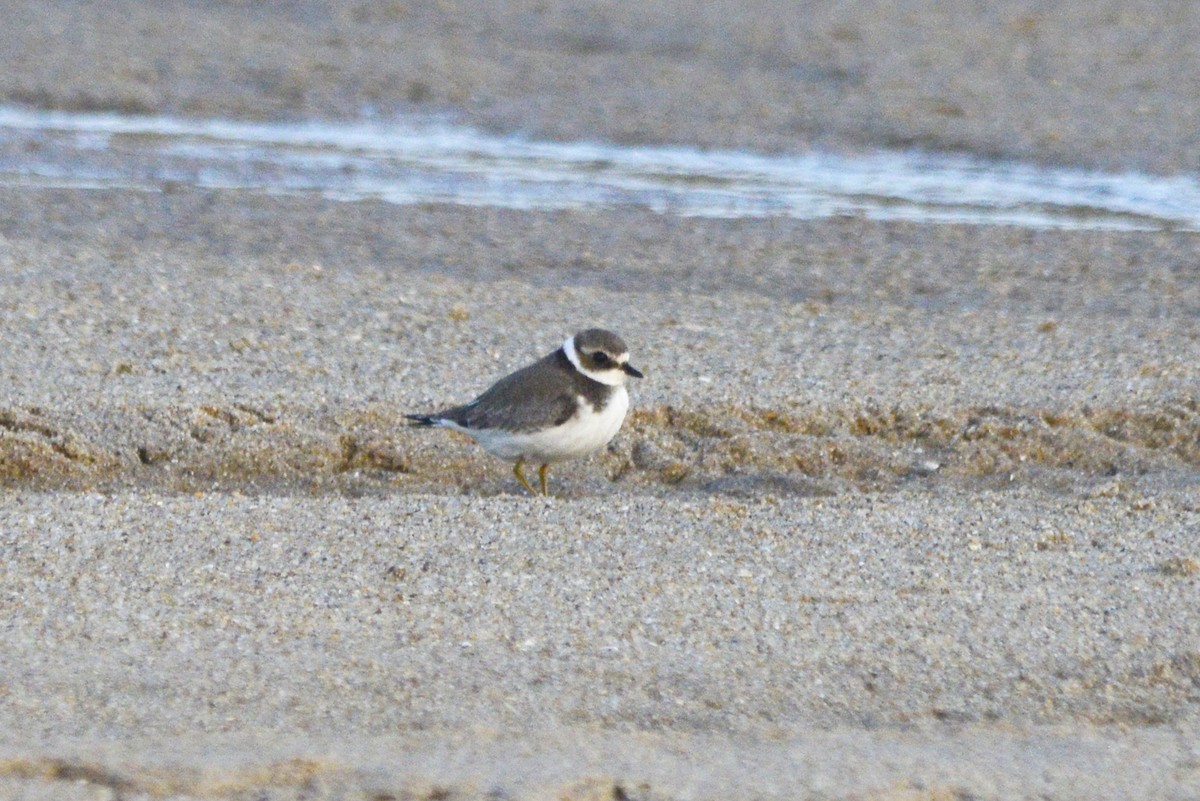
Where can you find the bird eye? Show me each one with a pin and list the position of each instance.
(600, 357)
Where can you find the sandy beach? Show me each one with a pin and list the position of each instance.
(901, 510)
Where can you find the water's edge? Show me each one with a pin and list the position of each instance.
(430, 161)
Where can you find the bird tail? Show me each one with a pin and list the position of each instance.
(421, 420)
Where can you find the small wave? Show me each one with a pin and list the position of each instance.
(416, 161)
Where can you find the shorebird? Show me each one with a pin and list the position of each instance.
(566, 405)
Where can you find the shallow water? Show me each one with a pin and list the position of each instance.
(414, 161)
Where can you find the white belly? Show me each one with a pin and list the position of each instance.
(586, 432)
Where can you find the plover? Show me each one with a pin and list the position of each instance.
(567, 404)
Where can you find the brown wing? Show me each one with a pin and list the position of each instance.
(532, 398)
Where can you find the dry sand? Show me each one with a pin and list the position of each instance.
(903, 511)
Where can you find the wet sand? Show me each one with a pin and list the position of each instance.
(902, 511)
(1101, 84)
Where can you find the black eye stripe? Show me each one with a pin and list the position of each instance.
(600, 357)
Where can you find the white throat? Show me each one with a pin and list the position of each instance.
(613, 377)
